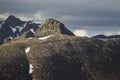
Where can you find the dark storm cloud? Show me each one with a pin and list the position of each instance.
(77, 13)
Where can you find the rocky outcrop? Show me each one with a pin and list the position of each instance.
(52, 26)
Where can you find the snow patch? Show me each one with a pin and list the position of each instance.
(31, 68)
(10, 37)
(46, 37)
(24, 25)
(40, 25)
(20, 28)
(27, 50)
(13, 29)
(32, 30)
(82, 69)
(30, 38)
(36, 22)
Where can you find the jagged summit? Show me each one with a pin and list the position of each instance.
(14, 27)
(52, 21)
(11, 17)
(13, 21)
(52, 26)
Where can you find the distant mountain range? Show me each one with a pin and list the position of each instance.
(106, 37)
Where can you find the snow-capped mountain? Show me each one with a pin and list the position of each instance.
(14, 27)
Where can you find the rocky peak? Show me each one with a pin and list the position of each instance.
(13, 21)
(52, 21)
(11, 17)
(52, 26)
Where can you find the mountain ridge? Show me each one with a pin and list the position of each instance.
(101, 36)
(14, 27)
(51, 52)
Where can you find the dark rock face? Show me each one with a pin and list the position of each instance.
(10, 23)
(29, 34)
(13, 21)
(114, 36)
(14, 27)
(52, 26)
(1, 40)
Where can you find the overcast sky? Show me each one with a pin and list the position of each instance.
(83, 17)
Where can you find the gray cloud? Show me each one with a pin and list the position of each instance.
(76, 14)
